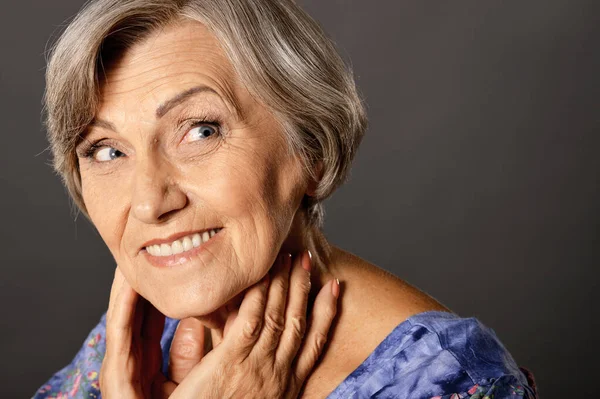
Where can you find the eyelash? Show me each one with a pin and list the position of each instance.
(89, 151)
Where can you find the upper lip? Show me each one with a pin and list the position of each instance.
(175, 236)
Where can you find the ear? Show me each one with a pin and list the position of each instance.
(313, 184)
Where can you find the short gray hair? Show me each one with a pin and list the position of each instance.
(279, 52)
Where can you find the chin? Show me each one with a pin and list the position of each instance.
(175, 310)
(211, 311)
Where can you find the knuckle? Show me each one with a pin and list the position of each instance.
(258, 302)
(319, 343)
(274, 322)
(298, 324)
(279, 284)
(251, 328)
(329, 312)
(187, 350)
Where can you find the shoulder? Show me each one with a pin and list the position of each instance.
(475, 346)
(438, 354)
(409, 341)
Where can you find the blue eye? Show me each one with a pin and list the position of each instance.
(106, 154)
(200, 132)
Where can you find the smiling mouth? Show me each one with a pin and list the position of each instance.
(181, 245)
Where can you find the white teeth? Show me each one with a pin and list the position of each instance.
(196, 240)
(187, 244)
(181, 245)
(177, 247)
(165, 250)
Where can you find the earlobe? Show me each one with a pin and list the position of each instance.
(312, 187)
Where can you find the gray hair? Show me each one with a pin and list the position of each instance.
(280, 53)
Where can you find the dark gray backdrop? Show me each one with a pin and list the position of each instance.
(477, 180)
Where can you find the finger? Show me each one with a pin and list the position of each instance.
(245, 330)
(274, 318)
(187, 348)
(117, 372)
(295, 313)
(322, 315)
(122, 321)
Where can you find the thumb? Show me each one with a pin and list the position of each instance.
(187, 349)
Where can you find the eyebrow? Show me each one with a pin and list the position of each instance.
(164, 108)
(103, 124)
(168, 105)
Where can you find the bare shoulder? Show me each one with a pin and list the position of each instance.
(374, 289)
(373, 303)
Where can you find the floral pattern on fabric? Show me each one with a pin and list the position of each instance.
(431, 355)
(504, 387)
(80, 378)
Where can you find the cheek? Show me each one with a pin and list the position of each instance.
(104, 200)
(258, 185)
(255, 190)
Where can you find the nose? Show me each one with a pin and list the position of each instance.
(156, 196)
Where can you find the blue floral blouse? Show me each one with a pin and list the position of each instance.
(431, 355)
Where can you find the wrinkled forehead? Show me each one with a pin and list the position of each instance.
(169, 61)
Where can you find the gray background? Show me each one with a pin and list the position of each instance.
(477, 180)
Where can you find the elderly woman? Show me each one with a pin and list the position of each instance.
(200, 138)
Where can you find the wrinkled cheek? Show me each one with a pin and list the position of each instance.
(253, 225)
(103, 211)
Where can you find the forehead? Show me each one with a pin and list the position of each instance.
(168, 61)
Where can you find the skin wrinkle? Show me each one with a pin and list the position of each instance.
(245, 181)
(252, 183)
(222, 90)
(241, 180)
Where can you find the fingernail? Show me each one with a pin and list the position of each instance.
(335, 288)
(266, 280)
(307, 262)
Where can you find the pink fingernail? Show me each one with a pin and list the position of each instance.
(307, 261)
(335, 288)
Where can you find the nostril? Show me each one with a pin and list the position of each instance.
(155, 207)
(168, 215)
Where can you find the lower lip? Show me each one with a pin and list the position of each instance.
(184, 257)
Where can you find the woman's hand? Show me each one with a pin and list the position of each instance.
(263, 354)
(133, 356)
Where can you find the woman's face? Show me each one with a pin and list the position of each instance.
(179, 147)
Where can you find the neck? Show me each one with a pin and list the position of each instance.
(300, 238)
